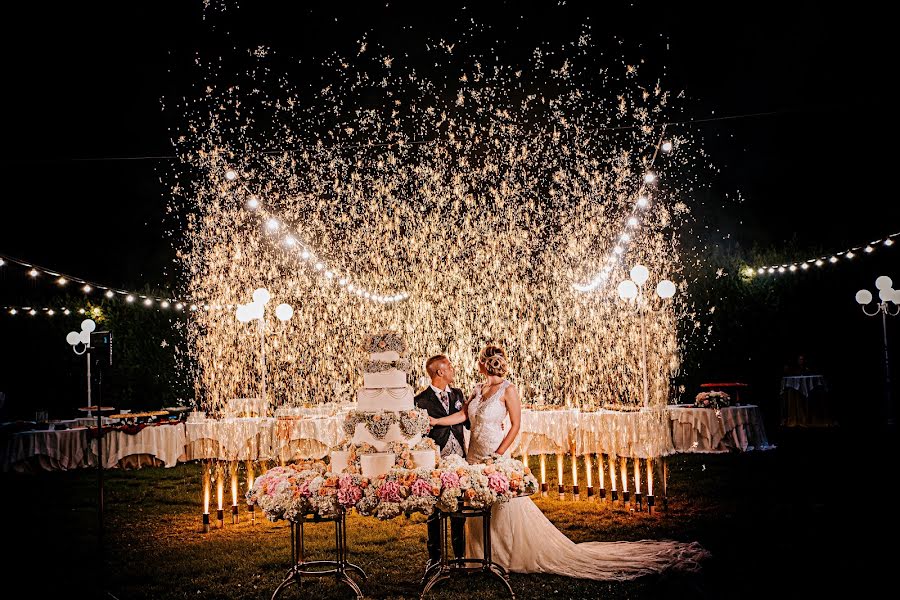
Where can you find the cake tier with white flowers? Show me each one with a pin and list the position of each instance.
(386, 427)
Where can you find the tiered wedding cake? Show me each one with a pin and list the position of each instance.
(387, 428)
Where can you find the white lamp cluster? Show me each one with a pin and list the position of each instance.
(255, 311)
(819, 261)
(632, 224)
(291, 242)
(83, 337)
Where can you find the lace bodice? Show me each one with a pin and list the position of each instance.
(488, 417)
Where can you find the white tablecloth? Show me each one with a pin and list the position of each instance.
(164, 442)
(247, 438)
(546, 431)
(803, 384)
(805, 402)
(639, 434)
(47, 450)
(736, 428)
(306, 438)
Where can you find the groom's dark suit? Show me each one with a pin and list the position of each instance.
(429, 400)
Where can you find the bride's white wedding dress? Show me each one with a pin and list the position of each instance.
(523, 540)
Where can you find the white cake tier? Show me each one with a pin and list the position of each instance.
(339, 461)
(373, 465)
(385, 379)
(362, 435)
(390, 399)
(385, 356)
(424, 459)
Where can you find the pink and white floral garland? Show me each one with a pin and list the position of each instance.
(307, 489)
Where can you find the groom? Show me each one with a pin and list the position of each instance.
(440, 400)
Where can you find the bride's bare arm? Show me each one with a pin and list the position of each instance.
(514, 408)
(454, 419)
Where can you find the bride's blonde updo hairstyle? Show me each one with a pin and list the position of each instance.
(494, 360)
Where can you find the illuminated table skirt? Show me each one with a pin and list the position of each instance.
(294, 439)
(546, 431)
(151, 445)
(248, 438)
(633, 434)
(736, 428)
(263, 438)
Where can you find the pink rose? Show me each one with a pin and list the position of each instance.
(303, 489)
(449, 479)
(421, 488)
(498, 482)
(349, 496)
(389, 492)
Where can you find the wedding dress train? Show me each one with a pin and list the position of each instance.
(523, 540)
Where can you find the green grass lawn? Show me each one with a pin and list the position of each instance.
(775, 522)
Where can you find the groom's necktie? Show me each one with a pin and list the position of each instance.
(445, 400)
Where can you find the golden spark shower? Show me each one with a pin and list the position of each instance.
(469, 202)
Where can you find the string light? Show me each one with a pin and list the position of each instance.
(272, 224)
(848, 254)
(62, 279)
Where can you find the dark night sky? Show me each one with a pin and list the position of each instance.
(85, 81)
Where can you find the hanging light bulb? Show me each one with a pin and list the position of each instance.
(231, 174)
(109, 294)
(61, 281)
(253, 203)
(129, 298)
(86, 289)
(643, 201)
(666, 146)
(33, 272)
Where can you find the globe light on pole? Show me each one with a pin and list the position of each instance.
(887, 296)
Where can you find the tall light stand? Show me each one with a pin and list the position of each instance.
(886, 294)
(256, 311)
(633, 289)
(83, 338)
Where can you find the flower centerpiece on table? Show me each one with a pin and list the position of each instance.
(712, 400)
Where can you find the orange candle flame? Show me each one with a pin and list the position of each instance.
(612, 472)
(624, 472)
(637, 476)
(574, 470)
(649, 476)
(220, 490)
(559, 468)
(588, 467)
(600, 477)
(543, 468)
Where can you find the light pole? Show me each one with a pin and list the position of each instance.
(886, 293)
(633, 289)
(256, 311)
(83, 338)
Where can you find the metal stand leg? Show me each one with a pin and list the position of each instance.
(447, 567)
(339, 566)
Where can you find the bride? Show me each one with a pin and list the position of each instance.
(523, 540)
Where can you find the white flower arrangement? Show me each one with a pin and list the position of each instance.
(412, 422)
(387, 341)
(296, 490)
(380, 366)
